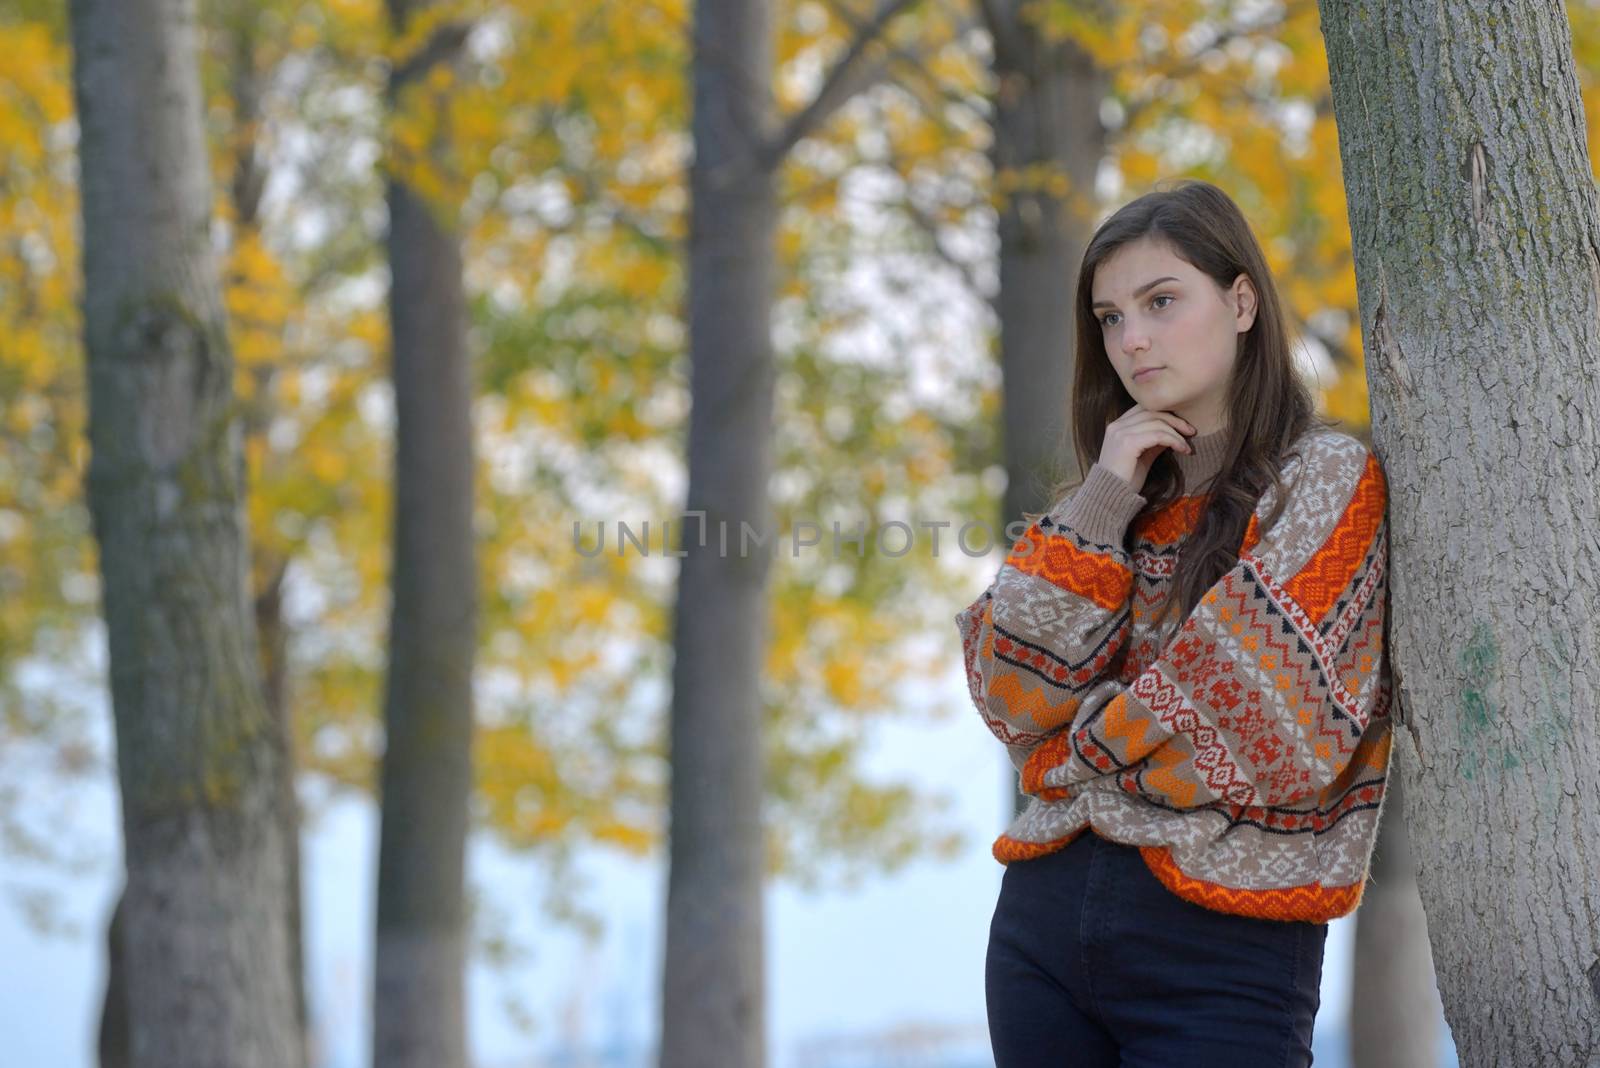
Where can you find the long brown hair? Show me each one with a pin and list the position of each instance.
(1269, 406)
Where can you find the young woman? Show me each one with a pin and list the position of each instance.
(1184, 657)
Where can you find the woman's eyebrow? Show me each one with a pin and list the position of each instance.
(1147, 286)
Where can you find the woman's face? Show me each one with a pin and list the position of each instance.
(1159, 311)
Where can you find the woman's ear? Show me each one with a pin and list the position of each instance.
(1244, 302)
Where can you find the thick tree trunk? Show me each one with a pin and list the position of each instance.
(240, 21)
(1046, 107)
(1474, 222)
(713, 1008)
(418, 996)
(203, 932)
(112, 1035)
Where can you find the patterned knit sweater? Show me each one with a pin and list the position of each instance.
(1247, 754)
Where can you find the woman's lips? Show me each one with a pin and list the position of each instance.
(1146, 373)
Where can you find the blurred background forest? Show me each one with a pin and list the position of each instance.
(555, 141)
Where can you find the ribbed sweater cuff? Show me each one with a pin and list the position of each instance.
(1102, 507)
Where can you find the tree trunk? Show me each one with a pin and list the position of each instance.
(248, 182)
(1046, 107)
(241, 21)
(418, 996)
(111, 1045)
(713, 1009)
(203, 933)
(1394, 1003)
(273, 636)
(240, 24)
(1474, 225)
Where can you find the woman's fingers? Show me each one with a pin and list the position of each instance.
(1138, 431)
(1153, 428)
(1139, 415)
(1163, 435)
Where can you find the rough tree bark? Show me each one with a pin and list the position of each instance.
(203, 929)
(240, 23)
(418, 995)
(1046, 113)
(112, 1036)
(1477, 245)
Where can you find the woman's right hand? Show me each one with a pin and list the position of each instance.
(1135, 438)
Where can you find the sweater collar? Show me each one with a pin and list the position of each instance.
(1198, 467)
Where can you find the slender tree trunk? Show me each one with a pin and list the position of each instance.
(713, 1008)
(111, 1046)
(1394, 1002)
(240, 25)
(274, 655)
(418, 1011)
(713, 1001)
(203, 932)
(1477, 245)
(1046, 108)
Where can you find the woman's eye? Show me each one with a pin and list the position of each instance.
(1106, 320)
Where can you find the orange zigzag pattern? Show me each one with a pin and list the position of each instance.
(1056, 558)
(1163, 775)
(1317, 585)
(1034, 704)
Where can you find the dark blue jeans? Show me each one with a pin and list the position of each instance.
(1093, 962)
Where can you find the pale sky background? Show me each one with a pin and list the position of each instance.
(900, 952)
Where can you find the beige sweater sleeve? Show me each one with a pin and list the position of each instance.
(1051, 624)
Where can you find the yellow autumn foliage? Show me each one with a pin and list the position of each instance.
(589, 102)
